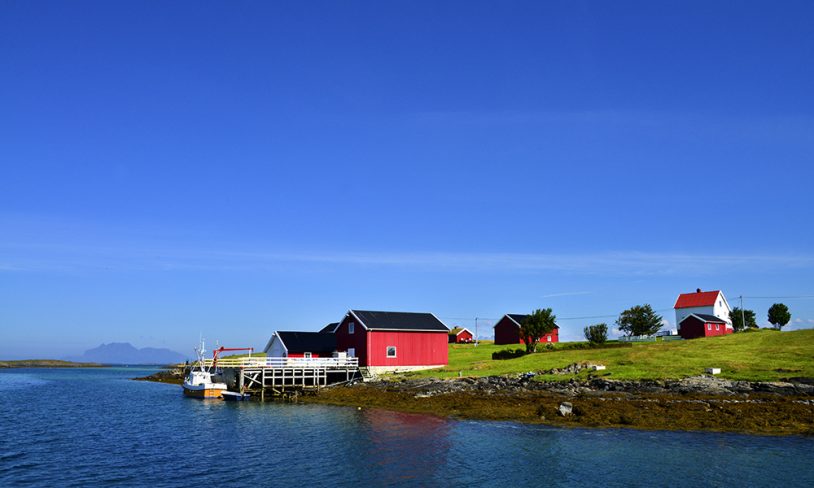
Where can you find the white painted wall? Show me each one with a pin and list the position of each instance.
(275, 348)
(722, 310)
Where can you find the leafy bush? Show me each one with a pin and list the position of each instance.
(597, 333)
(508, 354)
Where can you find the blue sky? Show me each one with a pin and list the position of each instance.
(235, 168)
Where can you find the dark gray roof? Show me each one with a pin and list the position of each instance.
(308, 341)
(706, 318)
(330, 327)
(517, 317)
(520, 317)
(399, 321)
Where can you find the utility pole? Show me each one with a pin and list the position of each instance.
(476, 332)
(743, 315)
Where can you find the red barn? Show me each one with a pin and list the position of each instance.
(459, 335)
(301, 345)
(393, 341)
(507, 330)
(702, 325)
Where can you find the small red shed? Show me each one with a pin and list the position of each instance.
(507, 330)
(702, 325)
(460, 335)
(393, 341)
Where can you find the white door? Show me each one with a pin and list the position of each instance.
(351, 352)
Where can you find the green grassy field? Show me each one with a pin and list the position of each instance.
(764, 355)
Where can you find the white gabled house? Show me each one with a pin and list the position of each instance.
(702, 303)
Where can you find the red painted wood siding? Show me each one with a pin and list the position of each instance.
(412, 348)
(356, 340)
(508, 332)
(692, 328)
(464, 336)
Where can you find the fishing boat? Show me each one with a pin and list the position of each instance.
(198, 382)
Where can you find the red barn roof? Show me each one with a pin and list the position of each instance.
(697, 299)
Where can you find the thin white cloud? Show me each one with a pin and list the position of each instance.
(20, 258)
(566, 294)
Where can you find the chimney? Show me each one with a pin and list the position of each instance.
(698, 290)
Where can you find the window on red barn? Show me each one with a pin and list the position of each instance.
(391, 351)
(351, 327)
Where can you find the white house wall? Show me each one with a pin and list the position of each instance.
(276, 349)
(720, 309)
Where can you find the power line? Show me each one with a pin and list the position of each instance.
(786, 297)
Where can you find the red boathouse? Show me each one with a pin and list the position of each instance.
(393, 341)
(507, 330)
(702, 325)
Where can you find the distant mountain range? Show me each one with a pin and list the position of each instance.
(125, 353)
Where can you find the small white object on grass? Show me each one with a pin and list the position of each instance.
(713, 370)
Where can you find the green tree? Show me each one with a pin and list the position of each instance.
(639, 320)
(535, 326)
(779, 315)
(597, 333)
(737, 316)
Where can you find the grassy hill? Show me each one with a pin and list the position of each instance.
(764, 355)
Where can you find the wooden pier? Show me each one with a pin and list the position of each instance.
(285, 377)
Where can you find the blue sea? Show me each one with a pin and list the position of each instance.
(97, 427)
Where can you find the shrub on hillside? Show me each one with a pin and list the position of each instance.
(508, 354)
(597, 333)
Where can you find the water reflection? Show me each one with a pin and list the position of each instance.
(400, 447)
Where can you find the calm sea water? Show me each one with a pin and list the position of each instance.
(98, 428)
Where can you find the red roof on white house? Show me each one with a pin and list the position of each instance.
(697, 299)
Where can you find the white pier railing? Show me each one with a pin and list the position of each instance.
(280, 363)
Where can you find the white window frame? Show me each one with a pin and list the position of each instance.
(548, 338)
(387, 352)
(709, 326)
(717, 326)
(351, 327)
(306, 355)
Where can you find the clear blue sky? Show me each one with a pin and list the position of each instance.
(235, 168)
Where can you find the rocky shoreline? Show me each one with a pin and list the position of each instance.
(173, 376)
(696, 385)
(696, 403)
